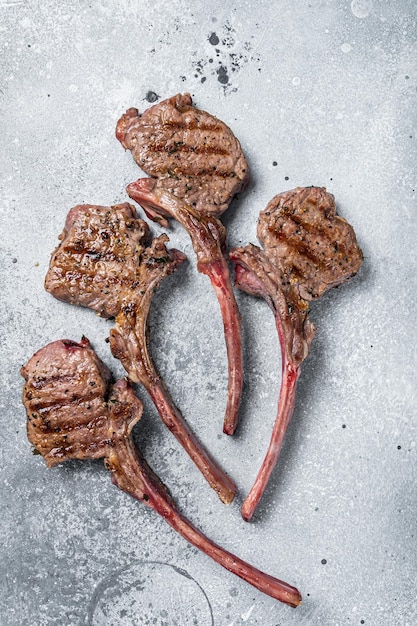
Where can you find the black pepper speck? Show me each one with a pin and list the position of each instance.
(213, 39)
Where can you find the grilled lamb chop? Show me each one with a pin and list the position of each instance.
(103, 263)
(307, 250)
(63, 381)
(64, 395)
(197, 166)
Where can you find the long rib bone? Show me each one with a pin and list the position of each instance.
(57, 366)
(197, 166)
(255, 274)
(308, 249)
(103, 263)
(208, 237)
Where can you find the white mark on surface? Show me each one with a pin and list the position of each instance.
(346, 48)
(296, 81)
(25, 22)
(243, 617)
(73, 88)
(361, 8)
(246, 616)
(10, 3)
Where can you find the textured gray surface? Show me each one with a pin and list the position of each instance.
(318, 93)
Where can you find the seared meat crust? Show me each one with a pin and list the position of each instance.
(193, 155)
(314, 248)
(103, 263)
(65, 395)
(97, 259)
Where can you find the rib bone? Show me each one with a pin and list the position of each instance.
(197, 166)
(307, 250)
(103, 263)
(56, 367)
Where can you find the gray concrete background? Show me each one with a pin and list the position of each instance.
(318, 92)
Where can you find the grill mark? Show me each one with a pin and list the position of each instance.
(38, 382)
(90, 275)
(196, 174)
(187, 125)
(77, 449)
(95, 255)
(299, 248)
(45, 426)
(336, 249)
(45, 407)
(186, 148)
(308, 226)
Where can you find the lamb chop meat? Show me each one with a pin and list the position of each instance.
(66, 384)
(191, 153)
(58, 379)
(307, 250)
(196, 166)
(104, 262)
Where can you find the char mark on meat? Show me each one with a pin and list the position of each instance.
(105, 262)
(314, 248)
(65, 396)
(190, 153)
(112, 440)
(96, 263)
(307, 250)
(197, 166)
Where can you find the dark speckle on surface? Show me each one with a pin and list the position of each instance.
(151, 96)
(332, 95)
(274, 163)
(233, 54)
(323, 561)
(222, 76)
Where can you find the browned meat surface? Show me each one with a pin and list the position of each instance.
(197, 166)
(314, 248)
(65, 397)
(97, 259)
(121, 410)
(192, 154)
(307, 250)
(103, 262)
